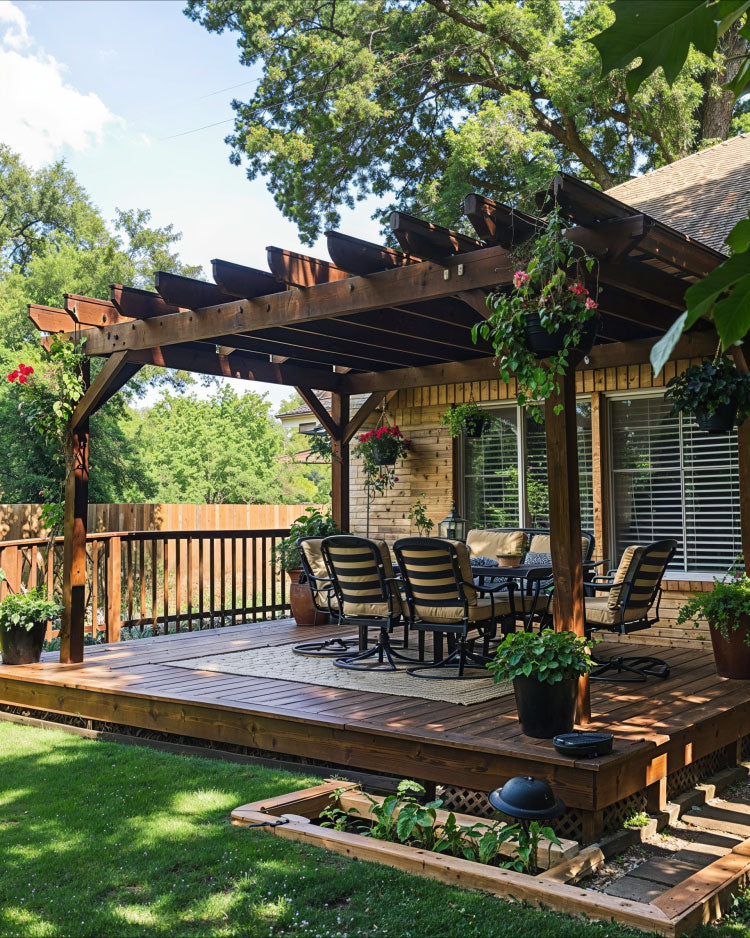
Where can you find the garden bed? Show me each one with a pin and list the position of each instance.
(297, 816)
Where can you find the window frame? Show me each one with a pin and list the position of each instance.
(521, 452)
(674, 573)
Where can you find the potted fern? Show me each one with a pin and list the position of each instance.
(544, 668)
(714, 392)
(23, 622)
(468, 419)
(547, 321)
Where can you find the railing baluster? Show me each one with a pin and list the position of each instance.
(142, 581)
(165, 553)
(189, 543)
(129, 561)
(264, 574)
(94, 587)
(234, 580)
(200, 579)
(212, 580)
(244, 576)
(223, 578)
(255, 578)
(178, 581)
(154, 588)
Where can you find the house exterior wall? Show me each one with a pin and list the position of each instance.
(430, 468)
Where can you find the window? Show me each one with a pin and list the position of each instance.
(505, 472)
(671, 480)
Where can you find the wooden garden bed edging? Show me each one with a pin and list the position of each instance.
(698, 899)
(297, 809)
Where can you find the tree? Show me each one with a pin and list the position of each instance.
(660, 34)
(223, 449)
(427, 100)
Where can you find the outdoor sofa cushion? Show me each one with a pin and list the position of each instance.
(599, 612)
(488, 543)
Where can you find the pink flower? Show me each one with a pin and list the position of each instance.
(577, 288)
(520, 277)
(395, 478)
(591, 303)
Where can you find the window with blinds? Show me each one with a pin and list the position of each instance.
(505, 472)
(671, 480)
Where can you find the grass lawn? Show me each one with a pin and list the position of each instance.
(101, 839)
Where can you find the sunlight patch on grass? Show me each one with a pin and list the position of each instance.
(136, 914)
(203, 801)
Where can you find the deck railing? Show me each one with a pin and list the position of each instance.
(161, 580)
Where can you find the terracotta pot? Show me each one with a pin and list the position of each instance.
(720, 421)
(20, 646)
(545, 710)
(543, 343)
(733, 656)
(509, 560)
(301, 601)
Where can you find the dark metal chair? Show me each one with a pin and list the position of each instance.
(368, 596)
(632, 604)
(442, 599)
(315, 574)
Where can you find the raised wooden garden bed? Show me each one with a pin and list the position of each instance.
(698, 899)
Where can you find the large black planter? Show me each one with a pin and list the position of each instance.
(545, 710)
(476, 427)
(720, 421)
(543, 344)
(20, 646)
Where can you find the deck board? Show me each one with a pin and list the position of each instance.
(140, 683)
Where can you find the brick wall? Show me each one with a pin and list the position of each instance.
(429, 469)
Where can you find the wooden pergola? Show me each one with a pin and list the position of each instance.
(374, 320)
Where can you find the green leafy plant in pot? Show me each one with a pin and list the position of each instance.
(714, 392)
(468, 419)
(726, 608)
(547, 321)
(544, 668)
(313, 523)
(23, 622)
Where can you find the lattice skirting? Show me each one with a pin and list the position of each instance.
(701, 769)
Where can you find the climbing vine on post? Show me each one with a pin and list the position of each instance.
(47, 397)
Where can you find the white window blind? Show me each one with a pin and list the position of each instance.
(516, 449)
(671, 480)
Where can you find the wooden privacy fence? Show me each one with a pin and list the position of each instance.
(165, 580)
(25, 521)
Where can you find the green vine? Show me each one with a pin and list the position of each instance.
(550, 282)
(47, 398)
(418, 517)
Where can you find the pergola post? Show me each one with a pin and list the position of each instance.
(74, 531)
(743, 465)
(340, 462)
(565, 521)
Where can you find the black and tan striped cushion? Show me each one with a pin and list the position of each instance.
(357, 575)
(647, 565)
(324, 598)
(436, 595)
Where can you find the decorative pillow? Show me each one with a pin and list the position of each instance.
(537, 559)
(626, 561)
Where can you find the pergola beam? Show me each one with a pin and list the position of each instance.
(484, 268)
(201, 360)
(363, 257)
(314, 403)
(497, 223)
(428, 241)
(115, 367)
(134, 303)
(375, 400)
(90, 311)
(50, 318)
(188, 293)
(241, 281)
(301, 270)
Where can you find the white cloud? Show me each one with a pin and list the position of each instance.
(15, 33)
(40, 113)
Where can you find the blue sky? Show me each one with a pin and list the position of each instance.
(115, 87)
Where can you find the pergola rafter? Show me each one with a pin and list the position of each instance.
(374, 320)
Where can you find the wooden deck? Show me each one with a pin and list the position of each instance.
(660, 726)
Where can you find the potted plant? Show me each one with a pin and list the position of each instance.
(714, 392)
(544, 668)
(379, 450)
(727, 610)
(468, 419)
(313, 523)
(548, 314)
(23, 622)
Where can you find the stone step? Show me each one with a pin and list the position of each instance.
(725, 816)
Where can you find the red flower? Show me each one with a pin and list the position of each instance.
(22, 379)
(395, 478)
(12, 376)
(578, 289)
(26, 369)
(591, 303)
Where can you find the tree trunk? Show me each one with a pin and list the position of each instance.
(717, 105)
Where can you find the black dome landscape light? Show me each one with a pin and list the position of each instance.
(526, 799)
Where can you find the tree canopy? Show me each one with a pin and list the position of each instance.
(425, 100)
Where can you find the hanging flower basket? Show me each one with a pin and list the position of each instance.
(715, 393)
(547, 321)
(468, 419)
(380, 449)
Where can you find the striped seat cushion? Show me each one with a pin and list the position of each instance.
(324, 598)
(359, 581)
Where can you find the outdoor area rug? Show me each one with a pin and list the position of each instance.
(282, 664)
